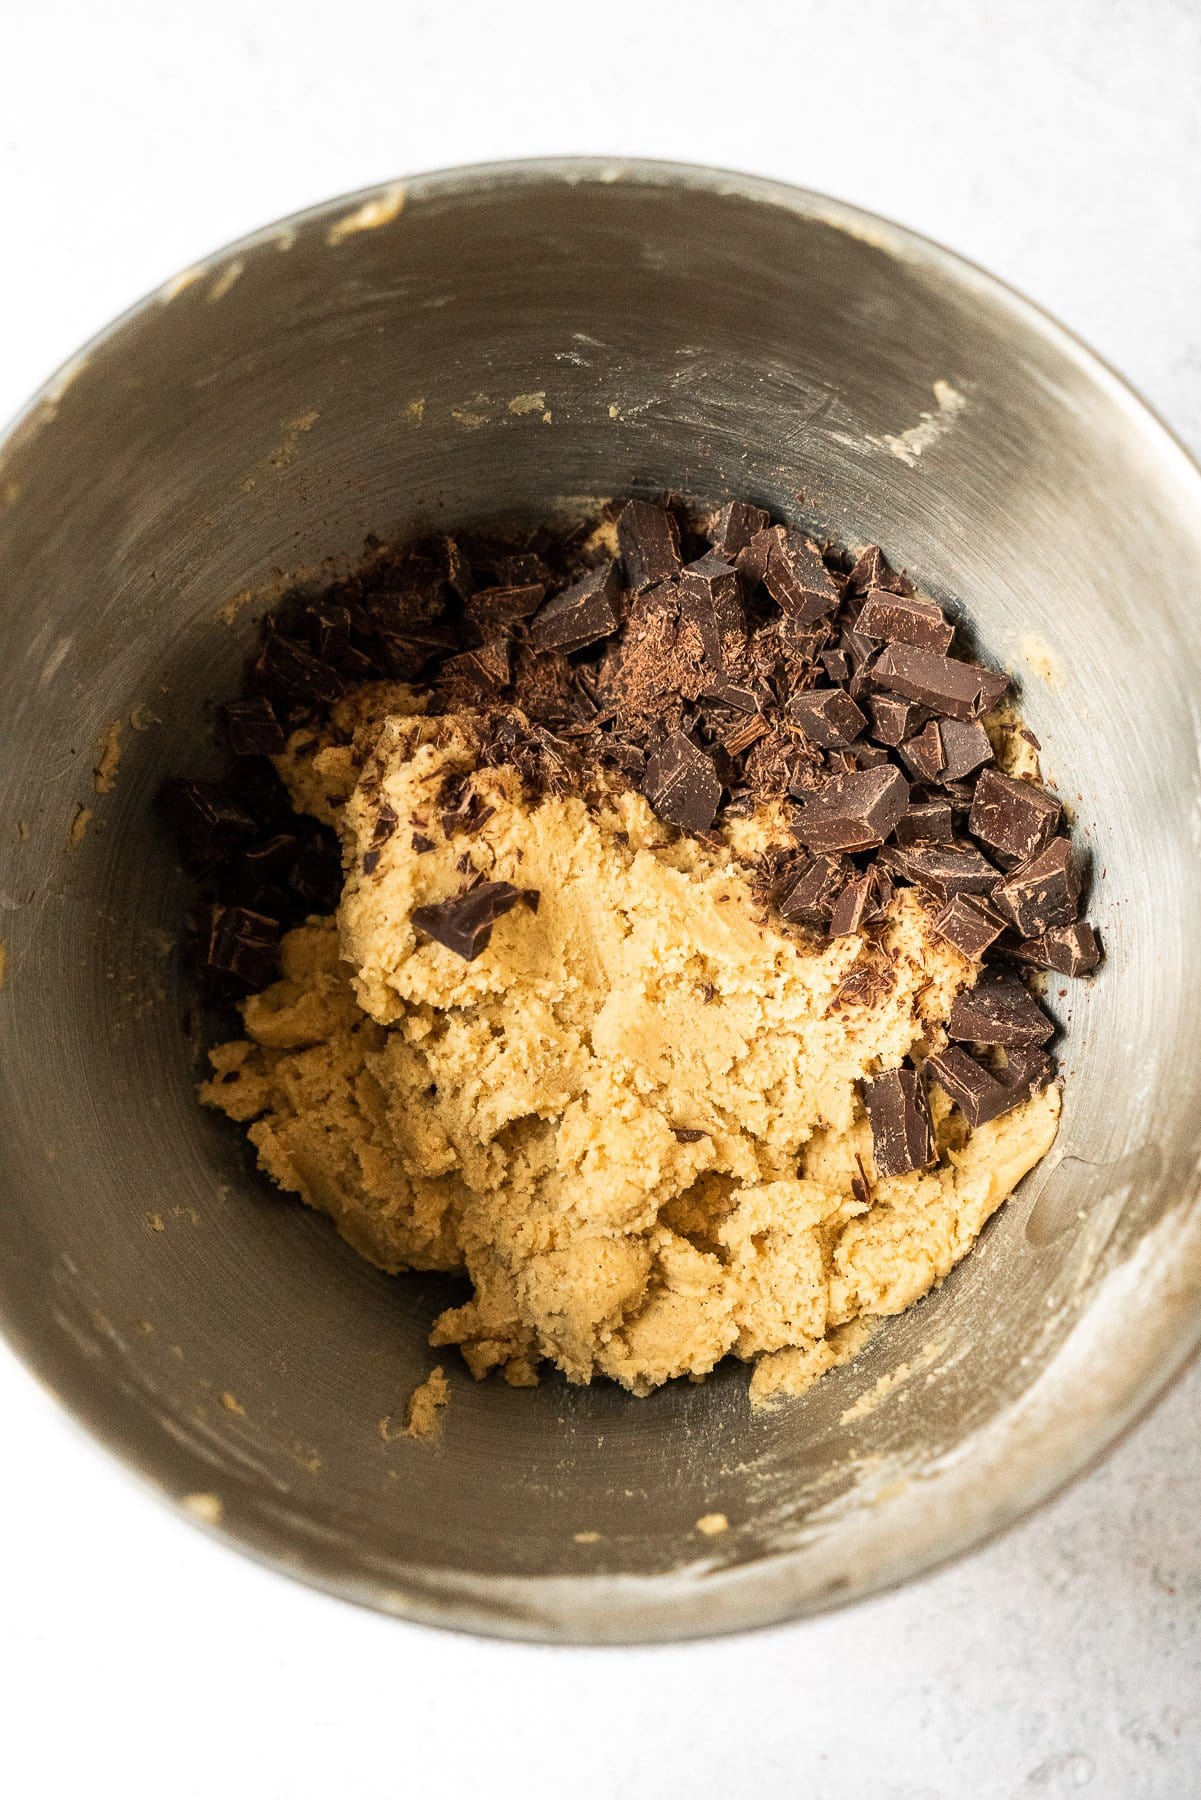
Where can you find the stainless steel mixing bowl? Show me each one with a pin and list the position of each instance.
(477, 344)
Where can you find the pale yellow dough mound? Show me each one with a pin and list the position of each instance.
(517, 1116)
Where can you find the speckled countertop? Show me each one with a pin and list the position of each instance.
(1060, 146)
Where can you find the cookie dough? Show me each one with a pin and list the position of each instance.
(634, 1120)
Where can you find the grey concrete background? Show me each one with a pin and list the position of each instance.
(1061, 146)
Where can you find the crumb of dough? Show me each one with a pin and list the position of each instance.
(1014, 748)
(154, 1222)
(232, 1404)
(586, 1537)
(205, 1507)
(712, 1524)
(519, 1117)
(108, 756)
(423, 1416)
(3, 963)
(79, 825)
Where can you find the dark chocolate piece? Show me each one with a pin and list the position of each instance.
(242, 945)
(331, 630)
(288, 669)
(582, 614)
(971, 1087)
(898, 619)
(252, 729)
(924, 754)
(965, 747)
(945, 869)
(858, 904)
(899, 1114)
(486, 670)
(682, 785)
(1014, 818)
(837, 665)
(811, 897)
(873, 570)
(687, 1134)
(710, 594)
(206, 822)
(962, 690)
(649, 540)
(828, 716)
(458, 570)
(926, 822)
(798, 580)
(1043, 892)
(970, 923)
(464, 922)
(422, 845)
(1068, 949)
(999, 1012)
(892, 720)
(493, 610)
(737, 524)
(753, 558)
(853, 812)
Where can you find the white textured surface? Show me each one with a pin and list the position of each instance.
(1059, 145)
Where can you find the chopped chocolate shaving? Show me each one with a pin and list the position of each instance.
(853, 812)
(970, 923)
(1068, 949)
(1014, 818)
(899, 1115)
(962, 690)
(739, 737)
(828, 716)
(582, 614)
(681, 784)
(1043, 892)
(464, 922)
(898, 619)
(649, 539)
(945, 869)
(999, 1012)
(252, 728)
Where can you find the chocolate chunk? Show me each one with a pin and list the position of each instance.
(859, 904)
(422, 845)
(242, 945)
(287, 669)
(873, 570)
(945, 869)
(828, 716)
(965, 747)
(899, 1114)
(853, 812)
(464, 922)
(458, 570)
(899, 619)
(837, 665)
(1025, 1068)
(797, 579)
(331, 630)
(971, 1087)
(1000, 1011)
(737, 524)
(892, 720)
(687, 1134)
(1014, 818)
(753, 558)
(926, 822)
(252, 729)
(1068, 949)
(526, 569)
(962, 690)
(206, 822)
(1043, 892)
(710, 595)
(649, 540)
(681, 784)
(493, 610)
(924, 754)
(486, 670)
(582, 614)
(970, 923)
(811, 897)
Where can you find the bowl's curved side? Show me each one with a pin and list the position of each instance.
(350, 370)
